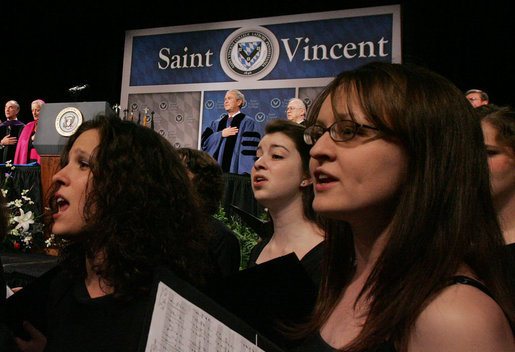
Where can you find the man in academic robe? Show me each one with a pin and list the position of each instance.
(10, 131)
(233, 138)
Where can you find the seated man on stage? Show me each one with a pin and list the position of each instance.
(232, 139)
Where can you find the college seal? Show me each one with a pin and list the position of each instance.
(249, 53)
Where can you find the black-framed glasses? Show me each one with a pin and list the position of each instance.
(340, 131)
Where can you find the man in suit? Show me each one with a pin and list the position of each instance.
(233, 138)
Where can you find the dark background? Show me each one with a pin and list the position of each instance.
(48, 48)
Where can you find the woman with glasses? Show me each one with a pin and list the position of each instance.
(415, 253)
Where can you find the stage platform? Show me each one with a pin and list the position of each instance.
(21, 268)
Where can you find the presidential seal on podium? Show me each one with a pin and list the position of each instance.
(67, 121)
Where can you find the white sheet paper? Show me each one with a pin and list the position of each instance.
(177, 325)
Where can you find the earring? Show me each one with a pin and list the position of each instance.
(303, 183)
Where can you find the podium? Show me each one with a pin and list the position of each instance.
(57, 122)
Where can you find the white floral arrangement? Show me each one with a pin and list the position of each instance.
(25, 232)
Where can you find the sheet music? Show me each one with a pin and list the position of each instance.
(177, 325)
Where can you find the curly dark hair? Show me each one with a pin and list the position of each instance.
(140, 212)
(207, 177)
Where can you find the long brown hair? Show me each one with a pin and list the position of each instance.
(444, 217)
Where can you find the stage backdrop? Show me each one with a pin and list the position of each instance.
(180, 74)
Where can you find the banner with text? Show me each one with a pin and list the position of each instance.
(270, 60)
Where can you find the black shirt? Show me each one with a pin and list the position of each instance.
(78, 322)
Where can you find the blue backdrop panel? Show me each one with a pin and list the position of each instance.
(305, 49)
(146, 62)
(299, 41)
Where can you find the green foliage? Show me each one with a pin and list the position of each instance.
(247, 237)
(265, 215)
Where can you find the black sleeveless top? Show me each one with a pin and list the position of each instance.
(317, 343)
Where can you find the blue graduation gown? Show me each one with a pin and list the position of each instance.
(235, 154)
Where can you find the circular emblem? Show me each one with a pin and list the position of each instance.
(179, 118)
(67, 121)
(209, 104)
(163, 105)
(275, 103)
(260, 117)
(249, 53)
(134, 106)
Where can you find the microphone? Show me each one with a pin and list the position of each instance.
(78, 88)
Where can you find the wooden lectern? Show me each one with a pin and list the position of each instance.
(57, 122)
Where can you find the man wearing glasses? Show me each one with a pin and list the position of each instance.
(296, 111)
